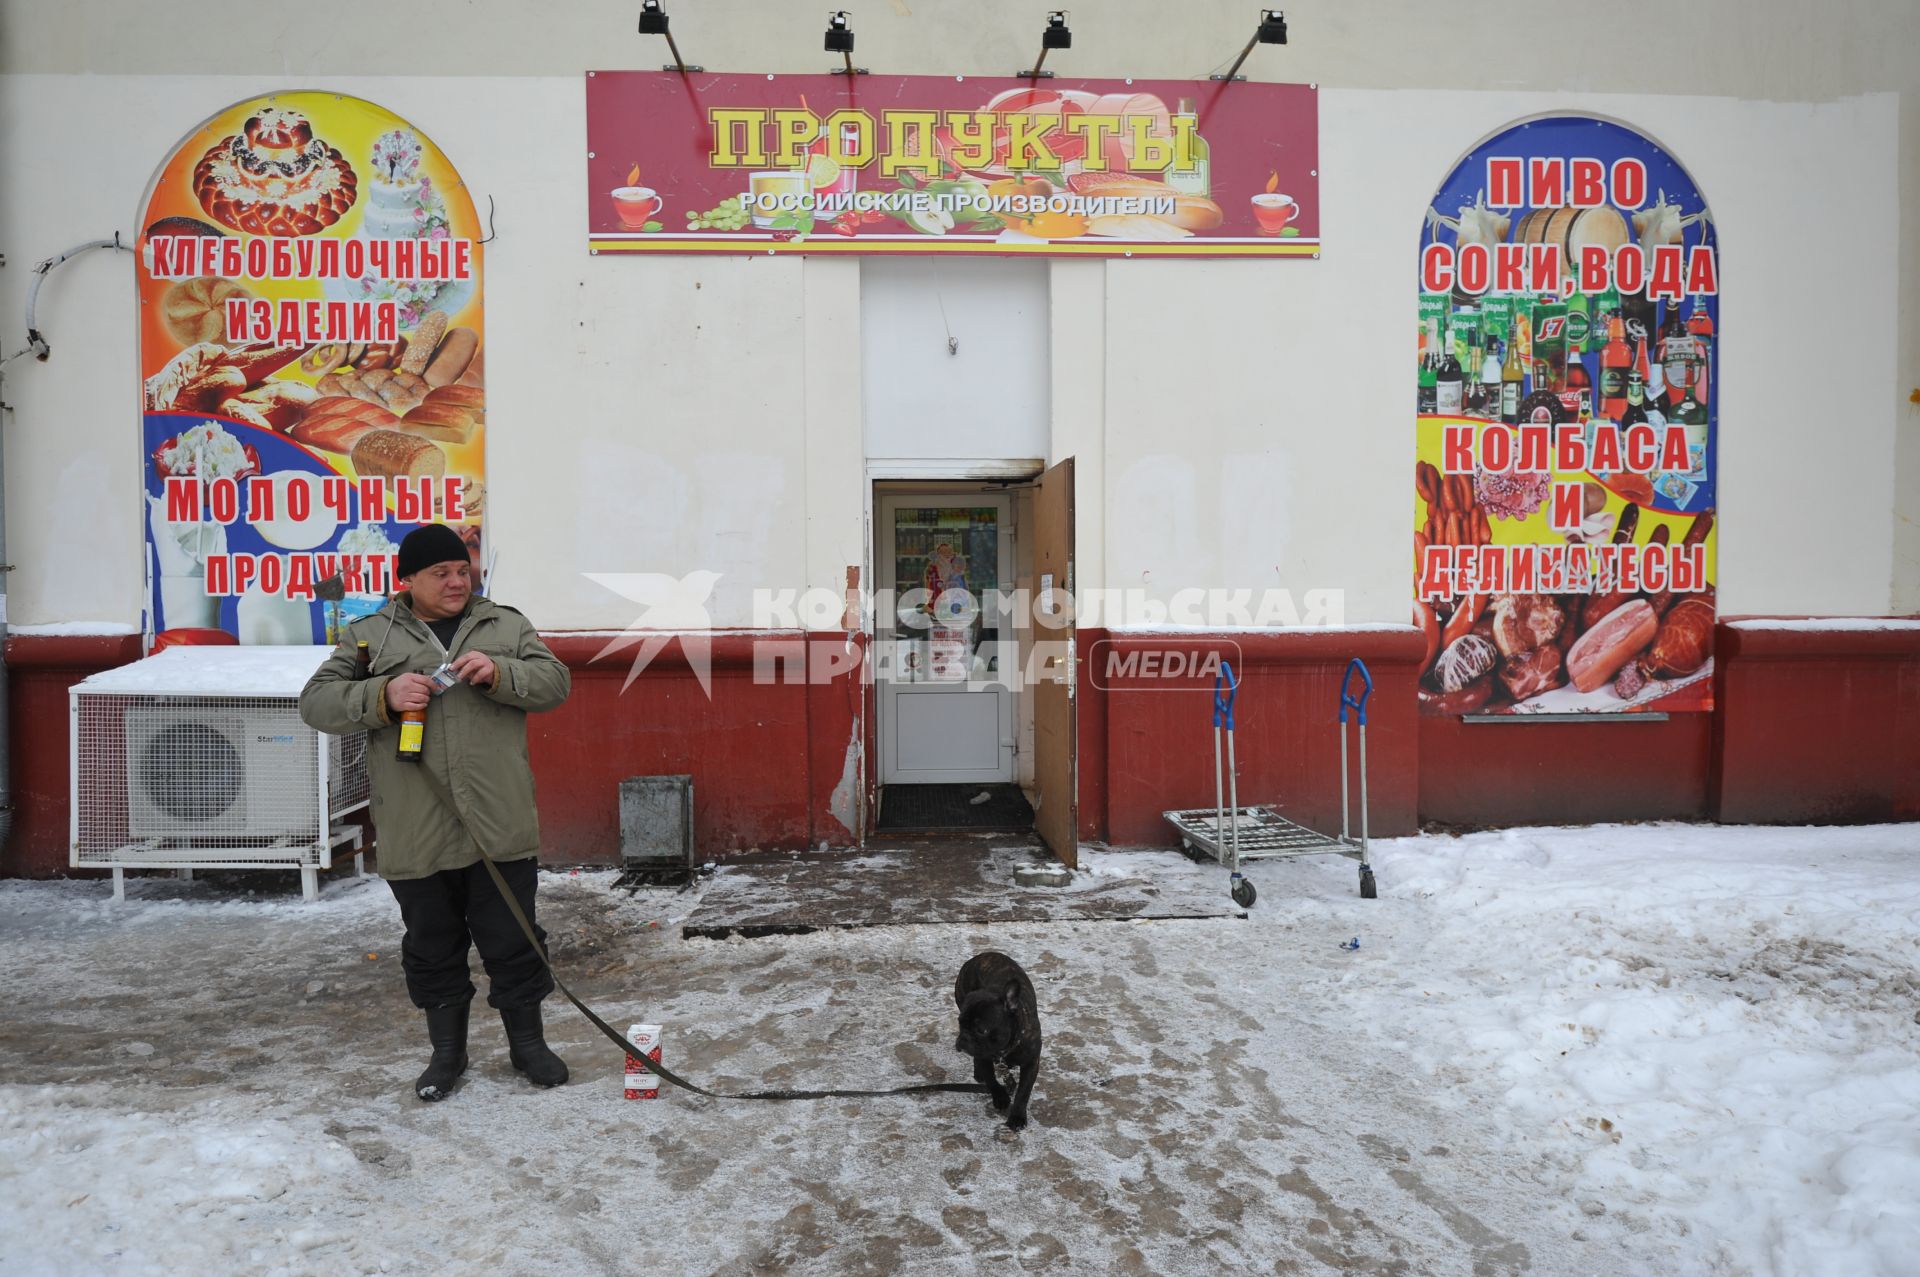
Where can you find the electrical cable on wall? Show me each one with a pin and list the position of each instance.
(36, 344)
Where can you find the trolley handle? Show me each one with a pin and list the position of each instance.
(1347, 699)
(1223, 701)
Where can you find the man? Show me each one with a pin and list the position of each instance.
(469, 790)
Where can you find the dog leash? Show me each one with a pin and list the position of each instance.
(654, 1066)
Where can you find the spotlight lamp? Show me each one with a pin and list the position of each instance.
(1054, 36)
(1272, 30)
(839, 39)
(653, 21)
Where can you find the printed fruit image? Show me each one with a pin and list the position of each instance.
(1031, 187)
(1051, 225)
(822, 172)
(931, 221)
(726, 216)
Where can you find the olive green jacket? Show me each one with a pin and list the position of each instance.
(472, 787)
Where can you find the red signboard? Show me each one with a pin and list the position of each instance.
(927, 164)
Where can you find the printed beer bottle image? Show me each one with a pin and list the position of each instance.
(1636, 411)
(1615, 360)
(1448, 383)
(1700, 327)
(1512, 376)
(1489, 401)
(1580, 386)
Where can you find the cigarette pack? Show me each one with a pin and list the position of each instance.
(639, 1083)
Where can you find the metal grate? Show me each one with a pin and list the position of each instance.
(186, 781)
(1264, 835)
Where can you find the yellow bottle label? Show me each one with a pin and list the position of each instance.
(413, 737)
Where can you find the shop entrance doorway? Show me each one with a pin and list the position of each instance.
(974, 671)
(949, 661)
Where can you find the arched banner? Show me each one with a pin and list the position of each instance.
(1567, 404)
(311, 355)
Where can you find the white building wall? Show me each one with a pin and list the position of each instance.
(1237, 425)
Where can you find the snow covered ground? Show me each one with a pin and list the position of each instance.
(1653, 1049)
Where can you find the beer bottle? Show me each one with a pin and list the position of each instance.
(1449, 385)
(362, 660)
(413, 735)
(1615, 360)
(1511, 378)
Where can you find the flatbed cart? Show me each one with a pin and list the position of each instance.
(1231, 833)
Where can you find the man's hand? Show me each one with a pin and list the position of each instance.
(408, 691)
(476, 668)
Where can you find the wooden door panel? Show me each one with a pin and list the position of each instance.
(1055, 725)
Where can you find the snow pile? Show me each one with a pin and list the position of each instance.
(1657, 1049)
(74, 629)
(214, 671)
(1829, 623)
(207, 1189)
(1715, 1025)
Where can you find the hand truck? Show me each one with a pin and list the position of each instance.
(1231, 833)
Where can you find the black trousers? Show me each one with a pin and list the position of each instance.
(448, 911)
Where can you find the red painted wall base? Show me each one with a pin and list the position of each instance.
(1810, 726)
(1816, 726)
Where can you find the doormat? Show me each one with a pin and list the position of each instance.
(922, 807)
(964, 880)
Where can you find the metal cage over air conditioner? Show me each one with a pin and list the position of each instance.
(197, 758)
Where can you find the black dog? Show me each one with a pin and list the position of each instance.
(999, 1024)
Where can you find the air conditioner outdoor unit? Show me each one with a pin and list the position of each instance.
(196, 757)
(193, 771)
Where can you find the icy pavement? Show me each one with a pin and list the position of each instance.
(1652, 1049)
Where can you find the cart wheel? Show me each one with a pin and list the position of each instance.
(1244, 894)
(1367, 889)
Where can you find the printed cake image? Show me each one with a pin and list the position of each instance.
(275, 177)
(401, 202)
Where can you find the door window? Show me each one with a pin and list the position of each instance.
(946, 565)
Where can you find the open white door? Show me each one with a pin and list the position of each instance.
(948, 659)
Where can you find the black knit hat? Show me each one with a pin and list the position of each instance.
(424, 547)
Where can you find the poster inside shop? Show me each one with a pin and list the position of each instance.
(311, 349)
(1568, 421)
(950, 164)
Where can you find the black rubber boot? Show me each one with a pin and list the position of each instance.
(527, 1047)
(447, 1030)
